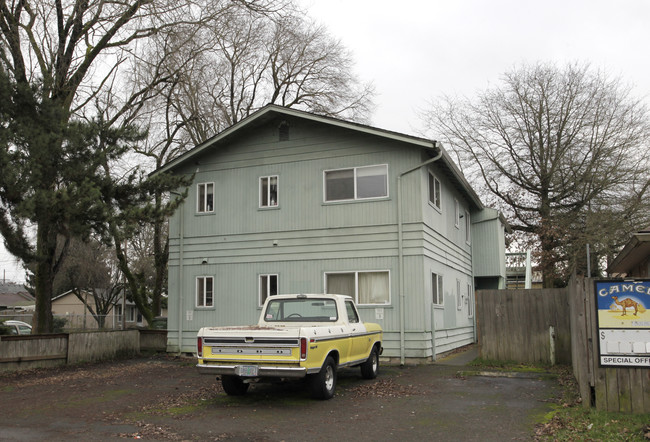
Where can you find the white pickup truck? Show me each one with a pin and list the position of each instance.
(296, 336)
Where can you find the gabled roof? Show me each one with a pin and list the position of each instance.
(272, 111)
(634, 252)
(14, 295)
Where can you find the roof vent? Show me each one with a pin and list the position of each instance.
(283, 131)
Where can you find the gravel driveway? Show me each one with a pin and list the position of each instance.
(164, 398)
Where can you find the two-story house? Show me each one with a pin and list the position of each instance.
(286, 201)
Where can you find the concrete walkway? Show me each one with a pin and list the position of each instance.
(460, 358)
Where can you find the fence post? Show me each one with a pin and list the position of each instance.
(551, 332)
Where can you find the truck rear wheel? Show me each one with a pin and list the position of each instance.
(233, 385)
(370, 368)
(323, 384)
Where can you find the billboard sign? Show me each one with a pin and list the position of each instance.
(623, 313)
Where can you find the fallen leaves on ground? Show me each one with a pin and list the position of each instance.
(384, 388)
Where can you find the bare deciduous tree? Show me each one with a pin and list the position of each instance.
(562, 151)
(57, 57)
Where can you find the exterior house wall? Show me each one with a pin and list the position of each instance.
(73, 309)
(303, 238)
(489, 231)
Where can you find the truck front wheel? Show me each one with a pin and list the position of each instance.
(323, 383)
(233, 385)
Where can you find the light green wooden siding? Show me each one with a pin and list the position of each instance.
(489, 245)
(304, 237)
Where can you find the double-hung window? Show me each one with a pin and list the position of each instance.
(370, 288)
(434, 191)
(205, 197)
(268, 287)
(357, 183)
(204, 291)
(269, 191)
(436, 289)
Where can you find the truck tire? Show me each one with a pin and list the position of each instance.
(233, 385)
(323, 384)
(370, 368)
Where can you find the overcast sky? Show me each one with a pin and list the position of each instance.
(414, 51)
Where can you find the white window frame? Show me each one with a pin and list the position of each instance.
(263, 296)
(202, 205)
(130, 313)
(470, 301)
(356, 284)
(456, 213)
(468, 229)
(117, 313)
(203, 281)
(437, 284)
(459, 296)
(268, 178)
(355, 183)
(436, 199)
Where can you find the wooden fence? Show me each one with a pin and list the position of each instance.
(35, 351)
(529, 326)
(514, 325)
(619, 389)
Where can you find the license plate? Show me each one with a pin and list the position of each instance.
(246, 370)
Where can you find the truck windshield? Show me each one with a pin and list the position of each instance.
(301, 310)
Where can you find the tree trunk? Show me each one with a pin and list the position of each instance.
(44, 278)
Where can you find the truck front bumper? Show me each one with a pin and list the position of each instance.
(262, 371)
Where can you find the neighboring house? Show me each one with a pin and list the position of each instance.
(75, 311)
(15, 297)
(290, 202)
(634, 259)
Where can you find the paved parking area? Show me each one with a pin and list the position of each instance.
(164, 398)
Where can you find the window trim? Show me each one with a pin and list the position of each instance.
(436, 186)
(459, 296)
(439, 288)
(205, 278)
(268, 287)
(130, 315)
(205, 202)
(456, 213)
(356, 285)
(468, 228)
(354, 181)
(277, 196)
(470, 301)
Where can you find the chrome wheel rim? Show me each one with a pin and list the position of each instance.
(329, 378)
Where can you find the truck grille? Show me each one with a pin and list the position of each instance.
(266, 342)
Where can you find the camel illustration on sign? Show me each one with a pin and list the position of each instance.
(629, 303)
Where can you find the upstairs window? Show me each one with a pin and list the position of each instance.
(356, 183)
(205, 197)
(269, 191)
(434, 191)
